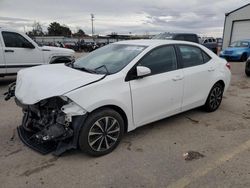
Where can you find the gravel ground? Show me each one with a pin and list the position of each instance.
(151, 156)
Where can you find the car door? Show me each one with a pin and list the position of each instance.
(2, 61)
(160, 94)
(198, 70)
(19, 52)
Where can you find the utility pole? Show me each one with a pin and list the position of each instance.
(92, 22)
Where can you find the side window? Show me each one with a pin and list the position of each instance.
(14, 40)
(210, 40)
(191, 56)
(160, 60)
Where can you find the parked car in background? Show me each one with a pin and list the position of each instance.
(18, 51)
(71, 45)
(59, 44)
(190, 37)
(92, 102)
(210, 43)
(89, 46)
(247, 68)
(237, 51)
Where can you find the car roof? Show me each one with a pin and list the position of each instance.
(153, 42)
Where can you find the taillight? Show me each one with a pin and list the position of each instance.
(228, 66)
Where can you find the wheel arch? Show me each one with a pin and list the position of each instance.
(220, 82)
(117, 109)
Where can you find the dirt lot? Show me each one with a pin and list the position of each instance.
(150, 156)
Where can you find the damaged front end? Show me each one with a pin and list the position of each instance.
(51, 125)
(11, 91)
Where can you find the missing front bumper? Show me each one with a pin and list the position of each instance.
(56, 148)
(28, 139)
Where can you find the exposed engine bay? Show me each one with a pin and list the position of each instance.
(46, 127)
(47, 121)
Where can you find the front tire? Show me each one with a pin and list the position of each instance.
(101, 132)
(214, 98)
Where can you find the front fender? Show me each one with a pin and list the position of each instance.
(103, 93)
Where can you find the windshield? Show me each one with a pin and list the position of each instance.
(243, 44)
(163, 36)
(109, 59)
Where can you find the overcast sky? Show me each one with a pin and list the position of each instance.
(204, 17)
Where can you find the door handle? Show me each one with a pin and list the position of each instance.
(210, 69)
(9, 51)
(177, 78)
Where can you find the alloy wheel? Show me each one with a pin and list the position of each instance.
(215, 97)
(103, 134)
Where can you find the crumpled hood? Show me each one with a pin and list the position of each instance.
(45, 81)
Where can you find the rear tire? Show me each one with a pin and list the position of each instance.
(101, 132)
(214, 98)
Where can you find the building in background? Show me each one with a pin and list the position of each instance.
(236, 25)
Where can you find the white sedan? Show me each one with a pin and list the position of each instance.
(90, 103)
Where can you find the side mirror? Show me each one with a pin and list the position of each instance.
(142, 71)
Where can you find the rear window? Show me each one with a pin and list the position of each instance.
(191, 38)
(192, 56)
(179, 37)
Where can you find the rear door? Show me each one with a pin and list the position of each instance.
(19, 52)
(160, 94)
(198, 70)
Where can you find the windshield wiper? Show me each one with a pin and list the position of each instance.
(105, 67)
(70, 64)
